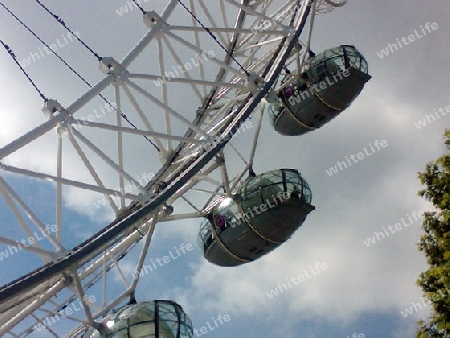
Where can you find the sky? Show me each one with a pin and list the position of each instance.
(356, 284)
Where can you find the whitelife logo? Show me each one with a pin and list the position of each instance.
(159, 262)
(25, 243)
(378, 236)
(220, 320)
(184, 68)
(352, 159)
(429, 118)
(42, 52)
(416, 307)
(313, 271)
(318, 87)
(405, 41)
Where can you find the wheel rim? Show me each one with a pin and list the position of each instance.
(225, 100)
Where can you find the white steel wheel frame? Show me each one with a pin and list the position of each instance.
(263, 36)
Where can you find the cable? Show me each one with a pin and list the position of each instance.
(9, 50)
(99, 58)
(214, 37)
(134, 126)
(139, 6)
(45, 44)
(70, 67)
(61, 21)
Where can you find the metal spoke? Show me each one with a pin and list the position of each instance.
(199, 162)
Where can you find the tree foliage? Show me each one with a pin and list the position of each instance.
(435, 243)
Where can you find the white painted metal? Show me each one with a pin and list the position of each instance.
(216, 102)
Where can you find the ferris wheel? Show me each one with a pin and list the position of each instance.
(187, 104)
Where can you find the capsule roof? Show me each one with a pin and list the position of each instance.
(336, 59)
(158, 319)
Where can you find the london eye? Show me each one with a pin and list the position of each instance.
(186, 103)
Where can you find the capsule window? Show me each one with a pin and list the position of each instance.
(355, 59)
(147, 319)
(206, 235)
(334, 60)
(258, 190)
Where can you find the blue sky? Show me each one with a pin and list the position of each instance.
(364, 289)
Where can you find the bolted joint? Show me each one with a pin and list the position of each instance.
(152, 18)
(167, 209)
(220, 159)
(165, 156)
(254, 83)
(161, 185)
(200, 111)
(132, 298)
(51, 107)
(67, 279)
(144, 199)
(109, 65)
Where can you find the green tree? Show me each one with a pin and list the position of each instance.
(435, 282)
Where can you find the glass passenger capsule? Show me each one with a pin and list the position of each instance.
(154, 319)
(265, 211)
(332, 82)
